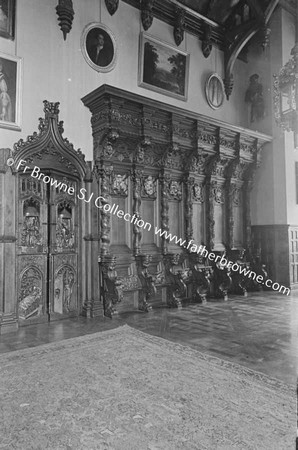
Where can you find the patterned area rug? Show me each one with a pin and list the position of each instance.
(126, 390)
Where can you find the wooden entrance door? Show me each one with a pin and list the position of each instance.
(47, 260)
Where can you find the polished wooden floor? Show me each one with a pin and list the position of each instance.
(259, 331)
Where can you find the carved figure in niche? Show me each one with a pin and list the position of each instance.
(149, 187)
(198, 192)
(64, 233)
(254, 96)
(68, 280)
(31, 235)
(64, 283)
(218, 195)
(120, 184)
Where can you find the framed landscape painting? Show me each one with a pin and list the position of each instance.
(7, 15)
(10, 91)
(163, 68)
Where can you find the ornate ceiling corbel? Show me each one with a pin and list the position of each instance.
(112, 6)
(65, 14)
(146, 13)
(206, 41)
(179, 26)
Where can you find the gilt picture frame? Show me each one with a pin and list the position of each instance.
(7, 18)
(99, 47)
(163, 68)
(10, 91)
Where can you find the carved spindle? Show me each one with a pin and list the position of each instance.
(179, 26)
(65, 14)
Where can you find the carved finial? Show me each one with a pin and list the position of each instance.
(179, 26)
(51, 107)
(228, 83)
(146, 13)
(65, 14)
(112, 6)
(207, 42)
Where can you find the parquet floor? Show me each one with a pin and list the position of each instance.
(259, 331)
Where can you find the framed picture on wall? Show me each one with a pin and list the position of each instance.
(99, 48)
(10, 91)
(215, 91)
(163, 68)
(7, 16)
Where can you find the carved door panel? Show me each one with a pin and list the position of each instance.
(47, 249)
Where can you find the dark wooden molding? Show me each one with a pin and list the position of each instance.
(94, 99)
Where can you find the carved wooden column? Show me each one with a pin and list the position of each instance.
(92, 307)
(164, 213)
(8, 294)
(137, 200)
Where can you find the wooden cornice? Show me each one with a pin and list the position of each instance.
(106, 93)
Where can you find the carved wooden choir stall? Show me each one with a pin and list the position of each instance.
(89, 238)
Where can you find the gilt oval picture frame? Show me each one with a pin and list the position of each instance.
(99, 48)
(214, 91)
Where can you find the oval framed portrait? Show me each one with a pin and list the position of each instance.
(98, 46)
(215, 91)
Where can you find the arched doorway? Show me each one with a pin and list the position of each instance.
(50, 174)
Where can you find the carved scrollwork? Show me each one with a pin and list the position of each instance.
(200, 278)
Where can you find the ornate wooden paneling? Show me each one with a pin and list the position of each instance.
(181, 172)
